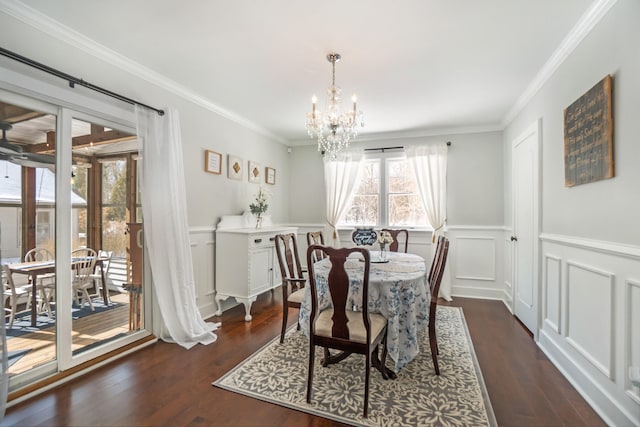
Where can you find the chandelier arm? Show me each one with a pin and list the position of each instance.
(333, 128)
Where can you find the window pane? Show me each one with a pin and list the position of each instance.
(404, 205)
(364, 211)
(114, 182)
(401, 177)
(114, 211)
(113, 232)
(365, 206)
(406, 210)
(370, 179)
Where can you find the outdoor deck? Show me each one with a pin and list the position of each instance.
(87, 330)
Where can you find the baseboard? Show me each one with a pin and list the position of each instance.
(478, 293)
(599, 399)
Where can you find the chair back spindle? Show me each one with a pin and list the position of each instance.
(293, 279)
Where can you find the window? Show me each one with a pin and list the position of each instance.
(386, 195)
(114, 206)
(365, 206)
(405, 206)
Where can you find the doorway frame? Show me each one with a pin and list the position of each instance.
(68, 104)
(535, 130)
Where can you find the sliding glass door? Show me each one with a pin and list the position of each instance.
(28, 234)
(68, 219)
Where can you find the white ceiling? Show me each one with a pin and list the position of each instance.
(418, 66)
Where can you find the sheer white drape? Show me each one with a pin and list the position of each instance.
(430, 166)
(340, 177)
(4, 374)
(166, 233)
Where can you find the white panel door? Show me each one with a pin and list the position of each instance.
(525, 227)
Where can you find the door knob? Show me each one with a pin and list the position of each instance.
(514, 239)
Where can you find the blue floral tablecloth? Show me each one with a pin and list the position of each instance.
(397, 290)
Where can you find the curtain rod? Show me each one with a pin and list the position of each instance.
(399, 147)
(73, 80)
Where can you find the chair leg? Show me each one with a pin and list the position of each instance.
(366, 384)
(14, 308)
(385, 351)
(434, 346)
(285, 316)
(85, 295)
(327, 356)
(312, 356)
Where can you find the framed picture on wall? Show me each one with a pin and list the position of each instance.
(213, 162)
(270, 175)
(254, 172)
(234, 167)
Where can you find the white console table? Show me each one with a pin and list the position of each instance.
(246, 261)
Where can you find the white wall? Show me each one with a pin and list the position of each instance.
(209, 196)
(474, 178)
(590, 253)
(474, 207)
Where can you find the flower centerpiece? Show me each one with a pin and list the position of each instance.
(384, 239)
(259, 206)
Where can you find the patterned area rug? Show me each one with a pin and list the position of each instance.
(278, 374)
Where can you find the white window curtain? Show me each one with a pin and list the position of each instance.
(4, 374)
(166, 233)
(340, 177)
(430, 166)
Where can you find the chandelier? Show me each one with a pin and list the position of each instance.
(333, 128)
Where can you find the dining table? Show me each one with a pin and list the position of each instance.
(35, 268)
(397, 290)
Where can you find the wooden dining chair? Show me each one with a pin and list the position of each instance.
(339, 327)
(293, 280)
(435, 257)
(316, 238)
(83, 262)
(400, 238)
(438, 266)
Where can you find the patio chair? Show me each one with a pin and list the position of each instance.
(83, 262)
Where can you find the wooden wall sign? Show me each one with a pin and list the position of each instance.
(588, 136)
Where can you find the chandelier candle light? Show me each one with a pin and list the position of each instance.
(333, 128)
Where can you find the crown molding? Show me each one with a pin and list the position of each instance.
(410, 134)
(43, 23)
(53, 28)
(583, 27)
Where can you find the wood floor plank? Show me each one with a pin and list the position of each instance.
(165, 384)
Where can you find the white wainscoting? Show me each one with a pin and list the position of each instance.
(591, 320)
(551, 292)
(507, 268)
(419, 240)
(202, 240)
(476, 260)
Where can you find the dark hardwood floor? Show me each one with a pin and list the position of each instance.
(167, 385)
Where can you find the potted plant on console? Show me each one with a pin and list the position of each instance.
(259, 206)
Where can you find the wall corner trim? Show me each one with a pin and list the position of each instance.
(583, 27)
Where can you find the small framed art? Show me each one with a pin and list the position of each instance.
(270, 175)
(213, 162)
(234, 167)
(254, 172)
